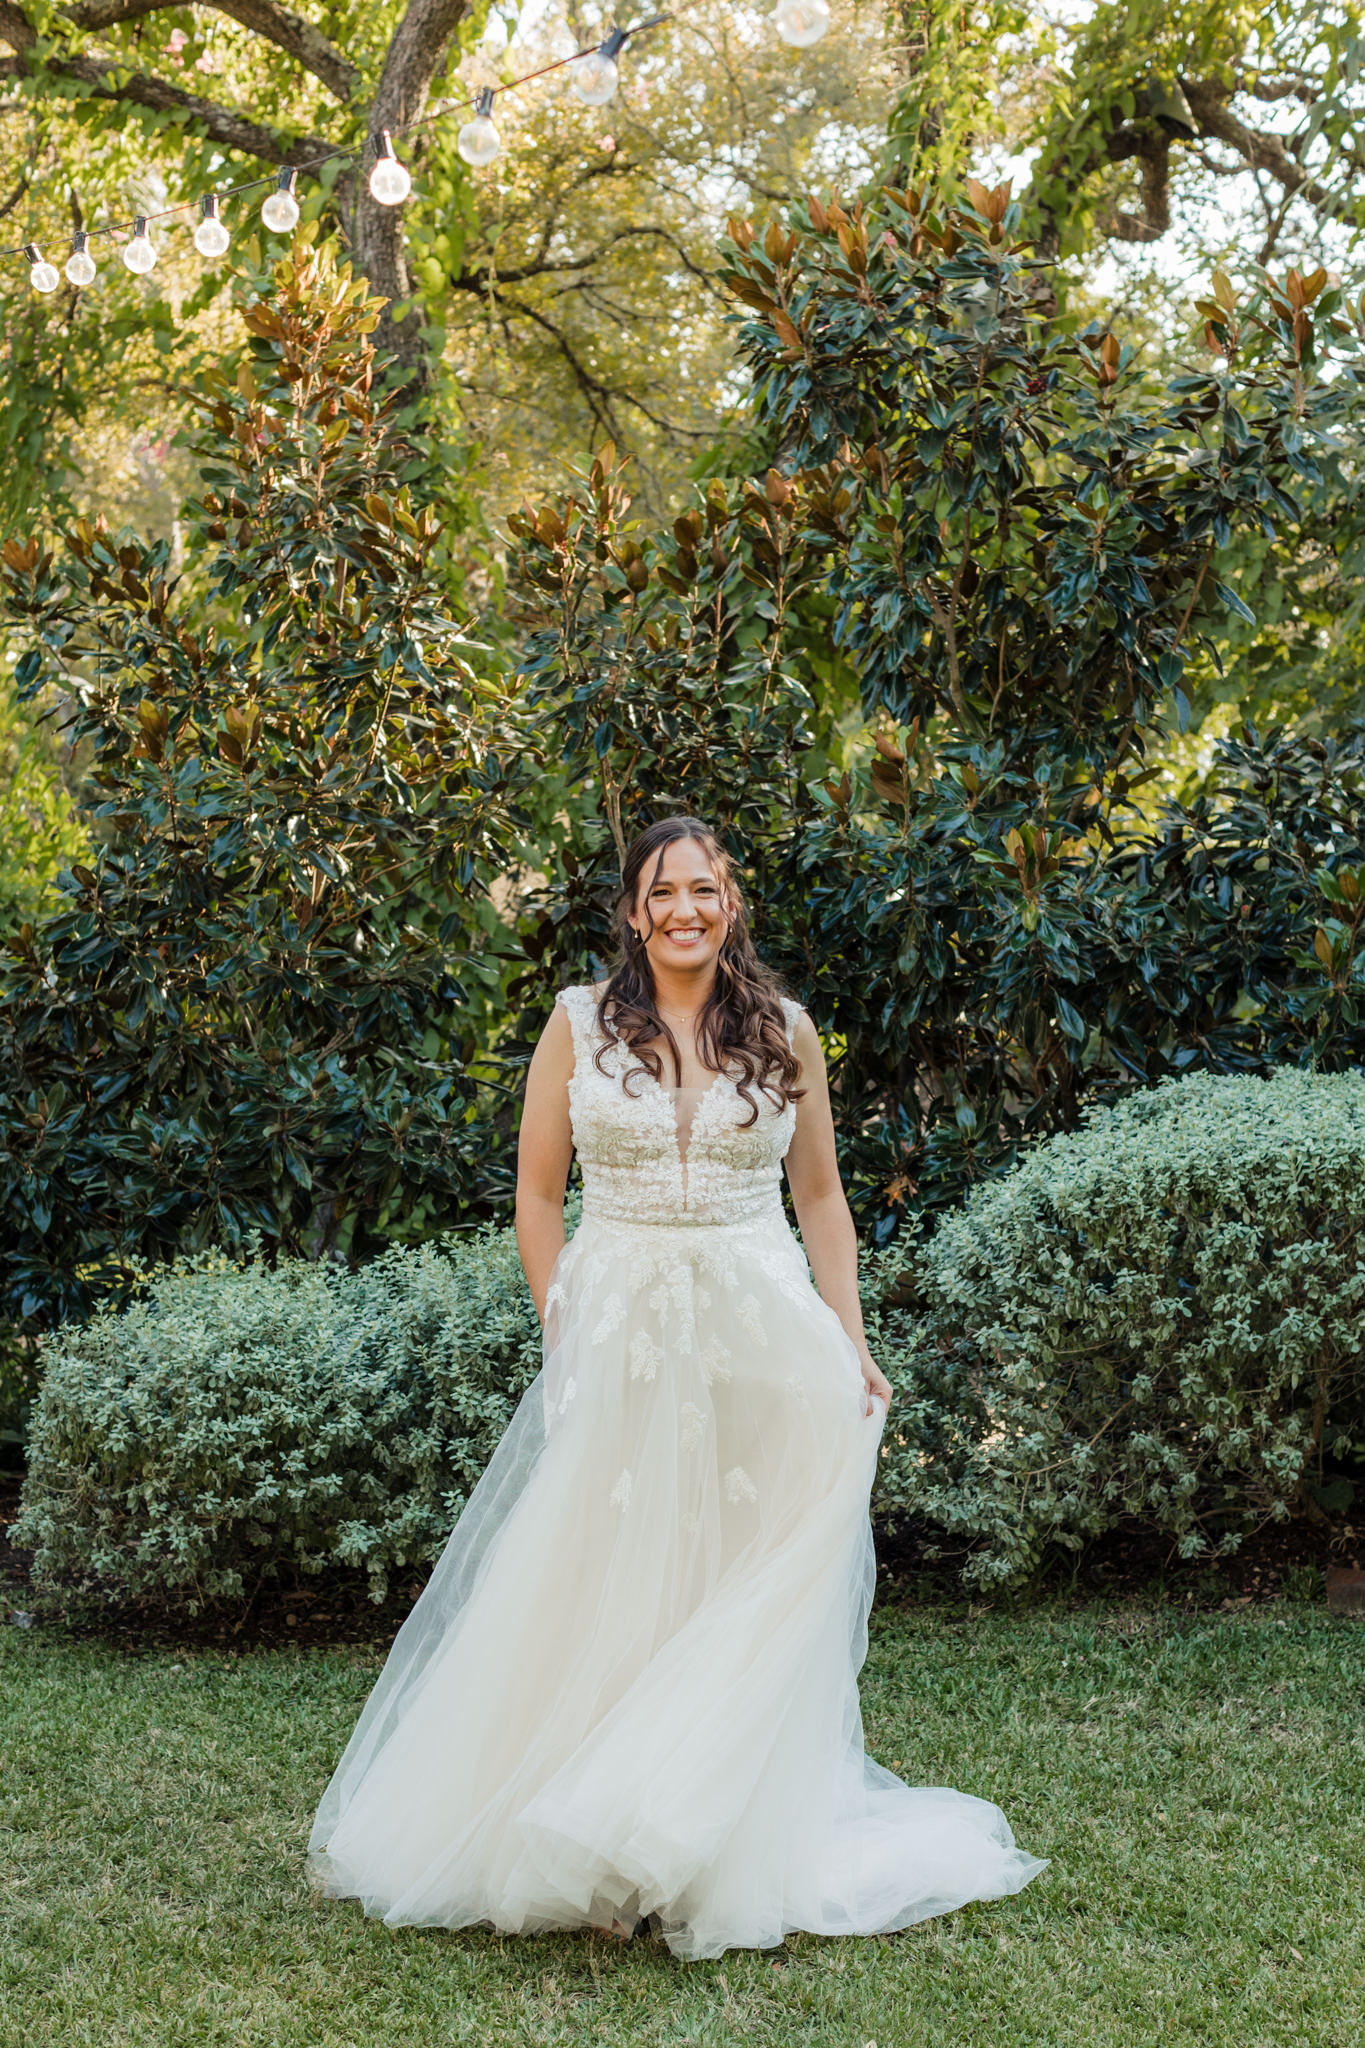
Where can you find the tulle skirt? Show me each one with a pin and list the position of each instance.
(630, 1685)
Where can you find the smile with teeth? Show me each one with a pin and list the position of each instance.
(687, 935)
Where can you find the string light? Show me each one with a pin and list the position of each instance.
(281, 210)
(211, 238)
(390, 180)
(140, 253)
(479, 141)
(801, 22)
(596, 78)
(80, 264)
(41, 274)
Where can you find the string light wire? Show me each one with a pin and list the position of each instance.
(143, 221)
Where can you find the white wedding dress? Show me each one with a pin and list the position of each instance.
(630, 1686)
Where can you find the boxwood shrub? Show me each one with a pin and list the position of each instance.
(1157, 1319)
(239, 1420)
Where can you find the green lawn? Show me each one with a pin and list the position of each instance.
(1198, 1781)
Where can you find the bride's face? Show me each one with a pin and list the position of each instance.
(685, 904)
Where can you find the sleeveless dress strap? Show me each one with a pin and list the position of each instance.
(793, 1012)
(580, 1005)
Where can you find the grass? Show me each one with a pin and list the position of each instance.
(1198, 1781)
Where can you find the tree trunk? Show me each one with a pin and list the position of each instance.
(377, 231)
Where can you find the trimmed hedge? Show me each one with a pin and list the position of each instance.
(1158, 1319)
(237, 1419)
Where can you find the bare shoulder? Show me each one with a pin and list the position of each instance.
(810, 1059)
(554, 1047)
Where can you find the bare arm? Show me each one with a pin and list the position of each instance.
(821, 1209)
(544, 1151)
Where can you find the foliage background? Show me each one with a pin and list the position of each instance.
(1154, 1324)
(981, 553)
(253, 1012)
(237, 1423)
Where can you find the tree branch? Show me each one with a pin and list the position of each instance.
(104, 80)
(1302, 89)
(102, 14)
(1141, 137)
(275, 23)
(1207, 100)
(1153, 153)
(543, 265)
(599, 397)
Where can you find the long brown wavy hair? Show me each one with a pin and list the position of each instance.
(741, 1026)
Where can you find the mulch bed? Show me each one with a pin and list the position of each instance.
(1133, 1567)
(1139, 1564)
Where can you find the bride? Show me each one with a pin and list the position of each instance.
(629, 1690)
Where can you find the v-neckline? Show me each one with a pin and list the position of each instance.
(668, 1096)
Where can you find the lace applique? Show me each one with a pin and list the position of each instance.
(715, 1361)
(739, 1486)
(785, 1266)
(691, 1525)
(645, 1356)
(675, 1299)
(693, 1425)
(570, 1393)
(626, 1136)
(556, 1297)
(750, 1318)
(796, 1387)
(620, 1493)
(612, 1316)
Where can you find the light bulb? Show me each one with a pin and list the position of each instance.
(479, 141)
(281, 210)
(211, 238)
(496, 35)
(595, 79)
(80, 265)
(42, 275)
(801, 22)
(390, 180)
(139, 254)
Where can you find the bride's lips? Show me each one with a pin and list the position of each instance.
(687, 935)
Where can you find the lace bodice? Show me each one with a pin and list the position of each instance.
(625, 1132)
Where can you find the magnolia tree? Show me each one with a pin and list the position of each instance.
(252, 1012)
(1003, 548)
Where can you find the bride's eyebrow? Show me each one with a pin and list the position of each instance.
(701, 882)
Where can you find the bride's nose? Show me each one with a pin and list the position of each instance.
(686, 910)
